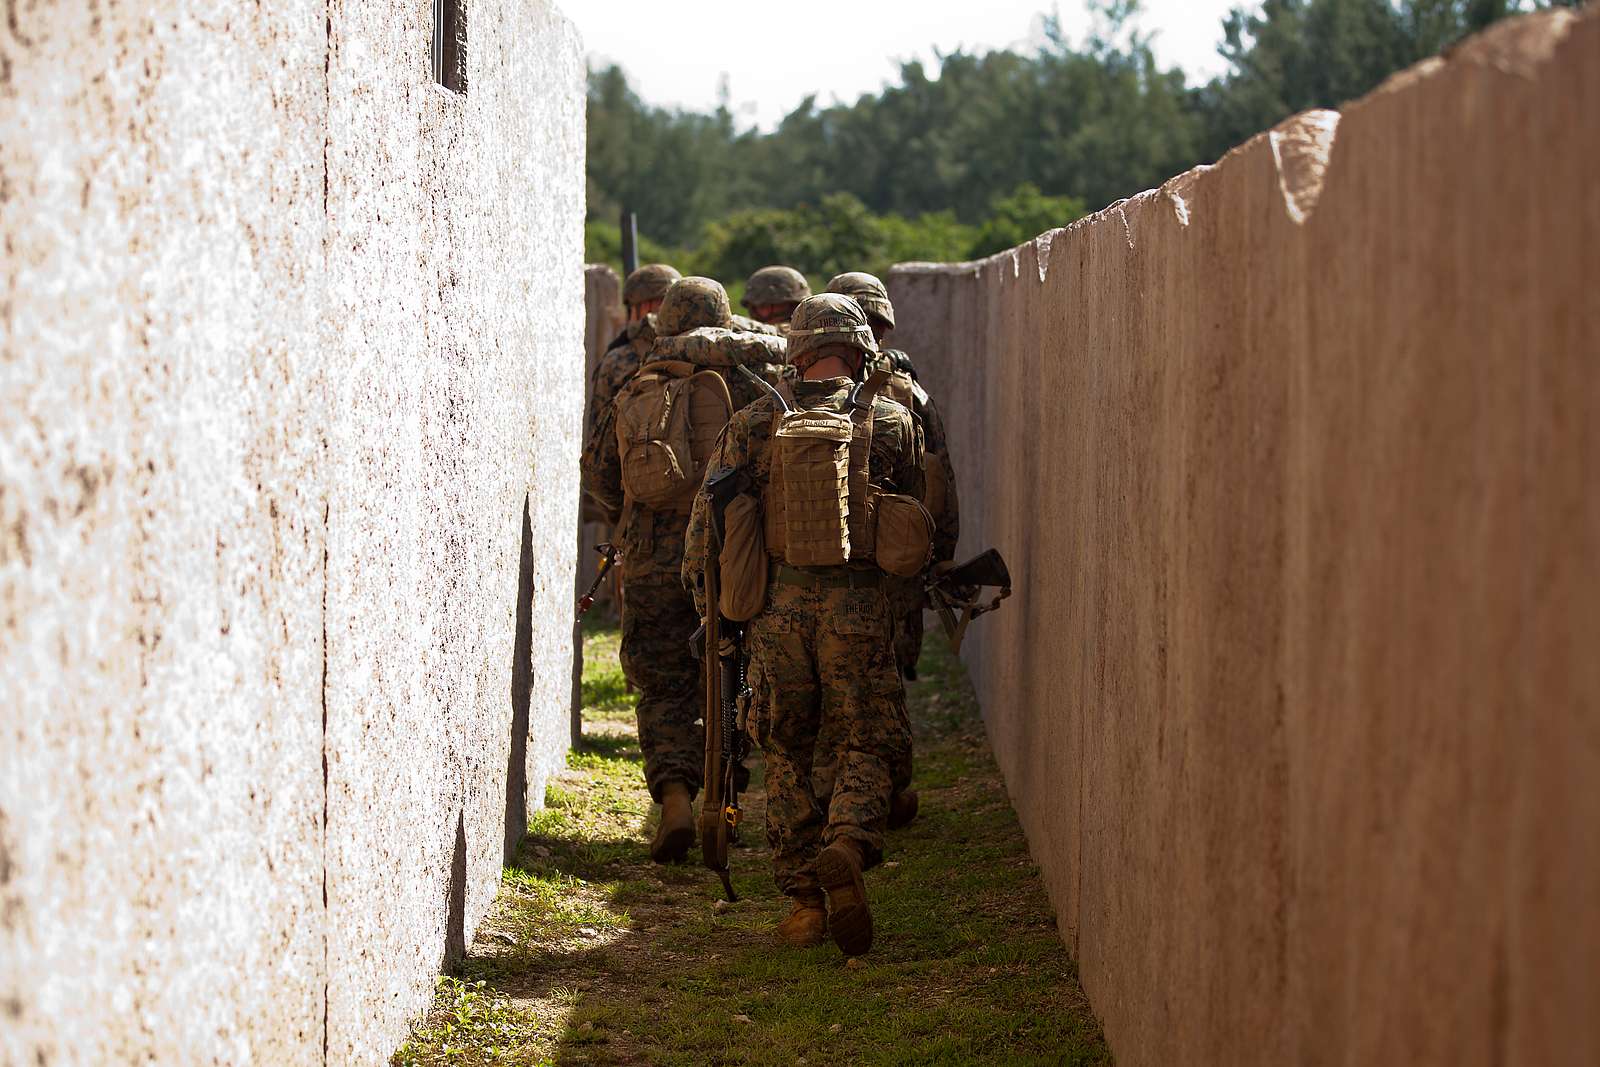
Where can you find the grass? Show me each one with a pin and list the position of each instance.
(593, 955)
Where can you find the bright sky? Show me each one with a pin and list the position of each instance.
(777, 52)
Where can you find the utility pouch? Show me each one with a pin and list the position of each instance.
(904, 534)
(742, 561)
(814, 467)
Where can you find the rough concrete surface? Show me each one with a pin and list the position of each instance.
(1298, 696)
(288, 437)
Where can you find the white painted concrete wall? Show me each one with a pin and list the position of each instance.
(290, 386)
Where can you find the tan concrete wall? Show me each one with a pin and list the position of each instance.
(288, 427)
(1294, 462)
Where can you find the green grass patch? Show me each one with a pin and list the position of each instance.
(472, 1024)
(595, 955)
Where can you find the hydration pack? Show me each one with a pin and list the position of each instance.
(668, 418)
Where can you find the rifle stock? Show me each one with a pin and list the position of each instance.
(957, 590)
(721, 656)
(608, 559)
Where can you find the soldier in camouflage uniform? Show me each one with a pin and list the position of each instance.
(907, 593)
(822, 661)
(642, 294)
(658, 617)
(772, 294)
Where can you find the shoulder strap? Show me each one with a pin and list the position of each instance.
(781, 392)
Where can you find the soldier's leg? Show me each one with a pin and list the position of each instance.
(826, 762)
(782, 651)
(905, 601)
(658, 620)
(865, 698)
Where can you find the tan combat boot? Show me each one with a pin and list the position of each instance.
(807, 924)
(676, 832)
(849, 919)
(902, 809)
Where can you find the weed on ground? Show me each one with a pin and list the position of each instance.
(594, 955)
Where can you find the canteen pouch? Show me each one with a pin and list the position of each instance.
(904, 534)
(814, 466)
(742, 562)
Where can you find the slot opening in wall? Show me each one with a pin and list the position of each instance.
(450, 44)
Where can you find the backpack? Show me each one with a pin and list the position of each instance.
(669, 416)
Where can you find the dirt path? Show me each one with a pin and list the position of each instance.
(594, 955)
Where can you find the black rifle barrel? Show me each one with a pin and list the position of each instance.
(630, 242)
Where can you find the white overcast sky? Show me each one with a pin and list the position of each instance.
(777, 52)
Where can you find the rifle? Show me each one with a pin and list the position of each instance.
(608, 559)
(953, 589)
(727, 700)
(630, 242)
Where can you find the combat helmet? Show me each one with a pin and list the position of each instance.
(869, 292)
(775, 285)
(649, 282)
(828, 319)
(691, 303)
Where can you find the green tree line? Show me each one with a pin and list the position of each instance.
(993, 149)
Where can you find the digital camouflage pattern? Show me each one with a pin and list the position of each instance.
(868, 291)
(611, 373)
(822, 662)
(749, 325)
(906, 595)
(775, 285)
(828, 319)
(658, 617)
(947, 524)
(649, 282)
(658, 620)
(691, 303)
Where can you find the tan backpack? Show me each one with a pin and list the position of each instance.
(818, 504)
(669, 416)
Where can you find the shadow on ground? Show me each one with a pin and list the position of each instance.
(593, 955)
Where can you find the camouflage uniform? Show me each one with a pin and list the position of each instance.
(822, 661)
(906, 594)
(775, 285)
(658, 616)
(611, 373)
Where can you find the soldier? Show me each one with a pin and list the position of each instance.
(658, 617)
(772, 294)
(906, 594)
(821, 651)
(642, 294)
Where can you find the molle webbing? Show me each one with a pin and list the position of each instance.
(818, 501)
(814, 487)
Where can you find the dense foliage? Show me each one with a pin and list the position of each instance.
(994, 149)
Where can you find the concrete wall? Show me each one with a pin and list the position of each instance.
(1294, 462)
(288, 436)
